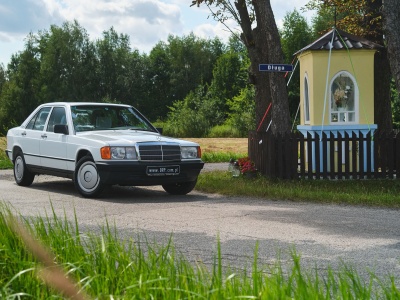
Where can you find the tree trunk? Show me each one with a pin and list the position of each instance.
(263, 45)
(269, 38)
(391, 12)
(382, 76)
(382, 104)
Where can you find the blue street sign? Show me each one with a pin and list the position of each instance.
(275, 68)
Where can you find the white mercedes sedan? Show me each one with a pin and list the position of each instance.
(99, 145)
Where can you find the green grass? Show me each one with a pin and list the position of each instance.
(385, 193)
(224, 131)
(5, 162)
(217, 157)
(104, 267)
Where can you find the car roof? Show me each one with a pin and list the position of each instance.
(82, 103)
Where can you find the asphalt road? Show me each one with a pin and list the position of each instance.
(367, 239)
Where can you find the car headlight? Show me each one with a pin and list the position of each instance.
(190, 152)
(130, 153)
(118, 153)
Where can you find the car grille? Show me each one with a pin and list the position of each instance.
(159, 152)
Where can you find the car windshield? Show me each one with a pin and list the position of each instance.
(108, 117)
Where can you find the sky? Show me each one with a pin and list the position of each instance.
(146, 22)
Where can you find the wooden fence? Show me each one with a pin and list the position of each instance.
(330, 155)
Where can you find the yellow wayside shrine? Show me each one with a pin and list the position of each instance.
(337, 85)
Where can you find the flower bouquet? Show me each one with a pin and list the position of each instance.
(247, 167)
(341, 96)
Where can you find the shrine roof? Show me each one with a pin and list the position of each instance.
(341, 40)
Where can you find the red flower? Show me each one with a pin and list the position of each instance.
(246, 165)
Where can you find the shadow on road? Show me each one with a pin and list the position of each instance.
(115, 194)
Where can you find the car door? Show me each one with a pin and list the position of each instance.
(30, 137)
(53, 148)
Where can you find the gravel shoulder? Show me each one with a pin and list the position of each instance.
(215, 167)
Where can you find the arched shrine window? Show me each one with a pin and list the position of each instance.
(306, 102)
(343, 95)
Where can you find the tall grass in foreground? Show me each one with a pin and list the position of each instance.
(104, 267)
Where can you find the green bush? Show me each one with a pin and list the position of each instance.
(186, 122)
(224, 131)
(158, 124)
(191, 117)
(242, 111)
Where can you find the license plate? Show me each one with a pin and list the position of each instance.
(163, 171)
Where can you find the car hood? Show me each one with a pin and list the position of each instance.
(130, 137)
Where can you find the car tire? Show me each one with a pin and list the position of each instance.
(180, 188)
(86, 178)
(22, 175)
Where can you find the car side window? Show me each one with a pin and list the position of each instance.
(57, 117)
(39, 119)
(32, 122)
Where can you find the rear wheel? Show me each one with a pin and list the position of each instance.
(22, 175)
(86, 178)
(181, 188)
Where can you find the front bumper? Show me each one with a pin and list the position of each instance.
(134, 173)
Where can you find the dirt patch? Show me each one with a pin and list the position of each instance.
(7, 175)
(227, 145)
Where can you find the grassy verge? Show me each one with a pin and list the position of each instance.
(385, 193)
(5, 163)
(217, 157)
(100, 266)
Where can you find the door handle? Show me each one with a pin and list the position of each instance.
(44, 136)
(23, 133)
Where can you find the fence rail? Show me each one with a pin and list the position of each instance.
(330, 155)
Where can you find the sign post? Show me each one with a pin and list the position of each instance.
(272, 68)
(275, 68)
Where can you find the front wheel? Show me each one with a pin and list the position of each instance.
(180, 188)
(22, 175)
(87, 178)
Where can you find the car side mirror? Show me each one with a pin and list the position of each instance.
(58, 128)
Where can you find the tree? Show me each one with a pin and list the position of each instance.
(263, 45)
(241, 111)
(236, 45)
(192, 61)
(229, 77)
(179, 66)
(2, 77)
(364, 18)
(208, 103)
(114, 53)
(137, 84)
(391, 11)
(323, 21)
(160, 81)
(19, 95)
(295, 35)
(191, 116)
(67, 61)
